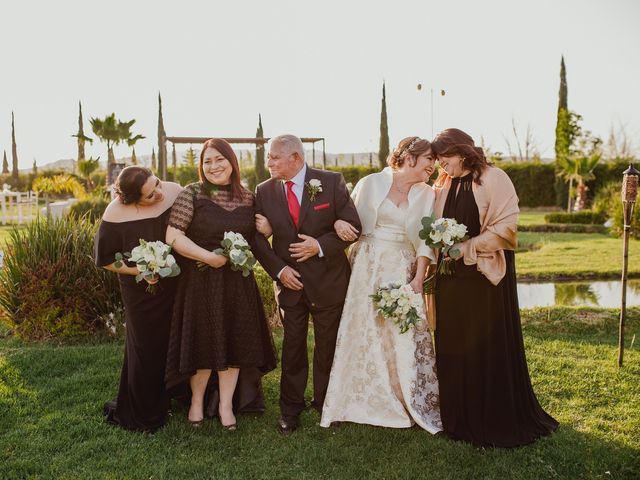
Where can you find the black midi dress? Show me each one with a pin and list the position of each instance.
(218, 317)
(142, 402)
(486, 396)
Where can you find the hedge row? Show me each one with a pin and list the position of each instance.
(586, 217)
(533, 183)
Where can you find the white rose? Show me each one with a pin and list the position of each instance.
(314, 182)
(435, 236)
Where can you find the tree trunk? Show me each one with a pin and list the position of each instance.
(569, 199)
(581, 197)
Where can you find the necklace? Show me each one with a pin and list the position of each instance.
(399, 190)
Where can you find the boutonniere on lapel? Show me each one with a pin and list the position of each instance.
(314, 187)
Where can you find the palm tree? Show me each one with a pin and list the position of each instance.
(113, 132)
(578, 169)
(86, 167)
(583, 172)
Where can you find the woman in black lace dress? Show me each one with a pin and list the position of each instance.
(218, 323)
(486, 396)
(140, 211)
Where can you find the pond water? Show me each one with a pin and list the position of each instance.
(590, 293)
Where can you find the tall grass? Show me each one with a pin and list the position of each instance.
(49, 285)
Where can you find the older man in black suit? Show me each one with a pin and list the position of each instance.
(308, 262)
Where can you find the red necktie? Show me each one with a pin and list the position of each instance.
(292, 201)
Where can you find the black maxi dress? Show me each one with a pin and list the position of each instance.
(218, 317)
(142, 402)
(486, 397)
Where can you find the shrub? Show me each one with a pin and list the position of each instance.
(609, 202)
(533, 182)
(265, 286)
(249, 179)
(49, 285)
(354, 173)
(606, 173)
(92, 207)
(586, 217)
(99, 178)
(602, 201)
(186, 174)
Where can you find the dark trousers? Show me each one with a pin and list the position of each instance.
(295, 363)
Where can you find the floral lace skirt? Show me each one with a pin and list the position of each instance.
(380, 376)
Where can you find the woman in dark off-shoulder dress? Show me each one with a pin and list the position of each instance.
(140, 211)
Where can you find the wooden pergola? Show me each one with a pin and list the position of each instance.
(257, 141)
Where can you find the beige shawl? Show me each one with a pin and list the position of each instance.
(498, 207)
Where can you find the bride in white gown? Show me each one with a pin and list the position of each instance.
(380, 376)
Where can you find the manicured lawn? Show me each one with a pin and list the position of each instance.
(532, 217)
(51, 398)
(573, 255)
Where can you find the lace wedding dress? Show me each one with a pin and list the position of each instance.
(380, 376)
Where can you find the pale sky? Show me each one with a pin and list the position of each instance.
(313, 68)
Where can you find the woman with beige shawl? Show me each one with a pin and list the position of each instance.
(486, 397)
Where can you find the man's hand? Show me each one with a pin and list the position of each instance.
(304, 250)
(289, 278)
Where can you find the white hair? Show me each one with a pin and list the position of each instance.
(290, 143)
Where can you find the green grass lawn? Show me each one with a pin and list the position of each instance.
(573, 255)
(532, 217)
(51, 427)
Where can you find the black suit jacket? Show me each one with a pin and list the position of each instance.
(326, 278)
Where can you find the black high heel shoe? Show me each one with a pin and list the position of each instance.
(229, 428)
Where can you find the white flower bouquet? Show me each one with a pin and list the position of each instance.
(236, 248)
(152, 259)
(442, 234)
(399, 303)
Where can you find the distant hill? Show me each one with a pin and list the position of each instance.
(245, 156)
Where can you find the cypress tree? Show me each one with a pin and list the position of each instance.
(563, 135)
(35, 167)
(154, 163)
(162, 148)
(81, 137)
(134, 159)
(383, 150)
(261, 172)
(5, 164)
(14, 154)
(190, 157)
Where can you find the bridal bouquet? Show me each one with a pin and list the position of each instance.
(236, 248)
(442, 234)
(400, 304)
(152, 259)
